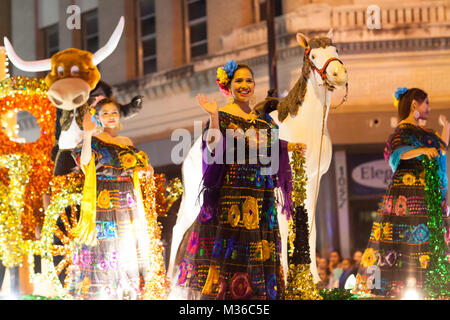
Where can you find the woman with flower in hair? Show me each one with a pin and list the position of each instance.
(233, 249)
(112, 258)
(402, 245)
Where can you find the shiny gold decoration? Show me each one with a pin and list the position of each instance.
(250, 212)
(66, 192)
(174, 191)
(166, 196)
(234, 215)
(156, 285)
(29, 94)
(299, 180)
(11, 208)
(300, 284)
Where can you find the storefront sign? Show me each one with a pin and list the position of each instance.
(369, 174)
(374, 174)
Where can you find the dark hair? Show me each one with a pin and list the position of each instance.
(337, 251)
(406, 99)
(106, 101)
(352, 262)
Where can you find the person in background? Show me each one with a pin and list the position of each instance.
(348, 268)
(335, 268)
(357, 255)
(322, 264)
(318, 257)
(324, 279)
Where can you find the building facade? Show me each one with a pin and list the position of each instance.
(171, 49)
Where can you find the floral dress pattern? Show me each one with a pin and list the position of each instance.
(117, 266)
(398, 249)
(235, 253)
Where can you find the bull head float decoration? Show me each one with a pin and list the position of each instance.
(73, 72)
(73, 81)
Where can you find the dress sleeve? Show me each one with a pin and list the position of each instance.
(76, 154)
(399, 143)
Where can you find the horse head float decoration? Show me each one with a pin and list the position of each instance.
(73, 81)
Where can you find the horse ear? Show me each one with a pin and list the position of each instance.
(330, 34)
(302, 40)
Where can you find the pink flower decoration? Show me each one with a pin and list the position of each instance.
(193, 243)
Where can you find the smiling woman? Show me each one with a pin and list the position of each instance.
(233, 249)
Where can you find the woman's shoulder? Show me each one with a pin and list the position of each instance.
(108, 140)
(125, 141)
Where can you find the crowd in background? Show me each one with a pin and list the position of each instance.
(335, 271)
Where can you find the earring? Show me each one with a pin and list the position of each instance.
(416, 115)
(230, 99)
(252, 100)
(120, 127)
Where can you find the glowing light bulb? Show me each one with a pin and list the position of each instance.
(411, 294)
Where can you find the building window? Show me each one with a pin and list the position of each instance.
(51, 40)
(90, 30)
(263, 9)
(148, 35)
(198, 37)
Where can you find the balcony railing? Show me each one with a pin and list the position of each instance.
(317, 17)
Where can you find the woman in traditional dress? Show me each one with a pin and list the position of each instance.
(400, 252)
(233, 249)
(112, 259)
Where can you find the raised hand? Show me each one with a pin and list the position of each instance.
(88, 125)
(209, 107)
(443, 120)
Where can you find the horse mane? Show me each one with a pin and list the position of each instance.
(292, 102)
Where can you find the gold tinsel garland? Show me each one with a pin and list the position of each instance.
(156, 286)
(11, 208)
(174, 191)
(29, 94)
(300, 283)
(166, 196)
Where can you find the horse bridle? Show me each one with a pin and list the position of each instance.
(323, 74)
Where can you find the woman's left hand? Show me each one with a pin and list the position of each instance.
(443, 121)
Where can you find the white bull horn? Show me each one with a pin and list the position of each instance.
(111, 45)
(330, 33)
(28, 66)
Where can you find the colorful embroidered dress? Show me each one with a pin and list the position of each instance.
(232, 251)
(116, 267)
(398, 251)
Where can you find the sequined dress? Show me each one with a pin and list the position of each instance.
(116, 267)
(398, 251)
(234, 253)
